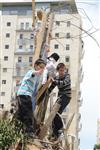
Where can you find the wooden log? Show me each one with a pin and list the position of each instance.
(45, 127)
(42, 90)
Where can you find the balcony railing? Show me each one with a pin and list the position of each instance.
(21, 69)
(80, 101)
(80, 127)
(23, 65)
(19, 29)
(81, 77)
(24, 51)
(25, 41)
(79, 116)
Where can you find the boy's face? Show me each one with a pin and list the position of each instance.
(40, 67)
(61, 71)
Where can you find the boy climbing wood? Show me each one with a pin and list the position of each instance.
(63, 82)
(24, 96)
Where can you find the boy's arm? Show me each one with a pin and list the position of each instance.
(45, 74)
(52, 86)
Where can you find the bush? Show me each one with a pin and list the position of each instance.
(9, 133)
(97, 147)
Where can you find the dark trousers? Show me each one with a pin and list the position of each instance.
(57, 123)
(63, 100)
(24, 112)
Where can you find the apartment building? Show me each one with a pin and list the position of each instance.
(98, 131)
(17, 50)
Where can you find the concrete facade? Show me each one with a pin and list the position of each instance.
(98, 131)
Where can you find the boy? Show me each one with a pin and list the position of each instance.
(24, 96)
(63, 82)
(50, 69)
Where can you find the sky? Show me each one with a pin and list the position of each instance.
(90, 110)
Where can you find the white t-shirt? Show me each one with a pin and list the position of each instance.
(50, 69)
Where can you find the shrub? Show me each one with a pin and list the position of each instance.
(9, 133)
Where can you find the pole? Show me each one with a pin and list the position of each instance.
(33, 13)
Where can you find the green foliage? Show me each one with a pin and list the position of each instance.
(9, 133)
(96, 146)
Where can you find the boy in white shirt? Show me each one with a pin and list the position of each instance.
(50, 69)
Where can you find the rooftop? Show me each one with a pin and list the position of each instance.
(29, 2)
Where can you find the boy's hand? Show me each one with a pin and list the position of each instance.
(51, 79)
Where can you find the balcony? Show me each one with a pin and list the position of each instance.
(82, 44)
(81, 69)
(79, 94)
(19, 74)
(81, 77)
(19, 29)
(80, 127)
(22, 65)
(80, 102)
(25, 41)
(21, 69)
(79, 116)
(27, 51)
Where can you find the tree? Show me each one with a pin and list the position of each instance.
(97, 147)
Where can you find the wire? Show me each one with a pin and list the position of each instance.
(87, 17)
(87, 34)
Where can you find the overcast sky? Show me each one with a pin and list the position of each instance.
(90, 109)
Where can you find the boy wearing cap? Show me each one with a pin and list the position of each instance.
(24, 96)
(50, 69)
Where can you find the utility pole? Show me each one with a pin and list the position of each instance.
(40, 36)
(33, 13)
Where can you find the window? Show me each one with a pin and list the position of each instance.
(56, 34)
(27, 25)
(57, 23)
(19, 59)
(22, 25)
(31, 36)
(7, 35)
(56, 46)
(67, 59)
(6, 46)
(68, 35)
(21, 36)
(2, 106)
(68, 23)
(3, 81)
(8, 24)
(4, 69)
(67, 47)
(31, 46)
(5, 58)
(20, 46)
(2, 93)
(30, 59)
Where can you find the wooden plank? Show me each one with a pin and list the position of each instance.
(67, 145)
(45, 127)
(42, 90)
(40, 110)
(70, 121)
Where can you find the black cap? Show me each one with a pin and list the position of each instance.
(55, 56)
